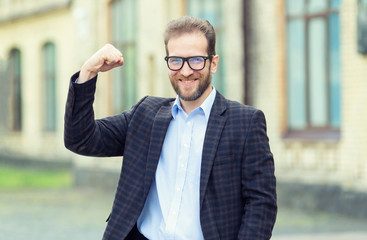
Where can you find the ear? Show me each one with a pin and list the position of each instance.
(214, 64)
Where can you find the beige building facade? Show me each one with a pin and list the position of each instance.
(255, 43)
(333, 157)
(26, 28)
(76, 29)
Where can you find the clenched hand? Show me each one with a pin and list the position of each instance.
(105, 59)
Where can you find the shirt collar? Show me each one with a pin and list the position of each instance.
(206, 106)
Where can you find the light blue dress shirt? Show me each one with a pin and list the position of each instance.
(172, 209)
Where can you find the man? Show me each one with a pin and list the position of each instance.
(195, 167)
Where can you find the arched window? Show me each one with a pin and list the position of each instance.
(49, 82)
(15, 73)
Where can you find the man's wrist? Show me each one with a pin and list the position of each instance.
(85, 75)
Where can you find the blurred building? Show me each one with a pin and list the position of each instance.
(36, 53)
(306, 68)
(303, 62)
(44, 42)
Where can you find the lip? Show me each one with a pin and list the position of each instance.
(188, 83)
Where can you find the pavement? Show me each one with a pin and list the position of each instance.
(80, 214)
(64, 214)
(330, 236)
(293, 224)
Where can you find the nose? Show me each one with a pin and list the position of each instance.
(186, 70)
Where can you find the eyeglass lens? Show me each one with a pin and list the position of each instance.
(195, 63)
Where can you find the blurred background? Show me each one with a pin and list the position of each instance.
(303, 62)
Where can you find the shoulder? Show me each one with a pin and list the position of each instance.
(151, 105)
(237, 112)
(234, 107)
(237, 106)
(154, 103)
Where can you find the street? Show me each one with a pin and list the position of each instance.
(328, 236)
(80, 214)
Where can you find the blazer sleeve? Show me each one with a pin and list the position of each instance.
(258, 183)
(85, 135)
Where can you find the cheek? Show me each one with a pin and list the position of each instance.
(172, 74)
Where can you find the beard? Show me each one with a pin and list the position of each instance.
(204, 83)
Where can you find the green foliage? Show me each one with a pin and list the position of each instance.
(23, 178)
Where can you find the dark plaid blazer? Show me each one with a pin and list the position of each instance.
(237, 182)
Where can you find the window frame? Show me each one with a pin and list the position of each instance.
(311, 132)
(49, 78)
(15, 78)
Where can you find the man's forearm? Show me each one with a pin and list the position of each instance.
(79, 115)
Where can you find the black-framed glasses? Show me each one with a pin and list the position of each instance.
(175, 63)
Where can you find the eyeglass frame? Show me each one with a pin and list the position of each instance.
(186, 59)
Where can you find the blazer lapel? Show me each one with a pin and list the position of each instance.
(212, 136)
(159, 129)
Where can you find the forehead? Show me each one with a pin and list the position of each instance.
(187, 44)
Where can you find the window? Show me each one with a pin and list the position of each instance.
(16, 90)
(49, 80)
(210, 10)
(313, 66)
(123, 13)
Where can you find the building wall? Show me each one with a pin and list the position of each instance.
(29, 34)
(317, 161)
(79, 28)
(354, 109)
(152, 75)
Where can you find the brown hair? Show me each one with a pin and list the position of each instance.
(188, 24)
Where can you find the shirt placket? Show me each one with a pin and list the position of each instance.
(185, 128)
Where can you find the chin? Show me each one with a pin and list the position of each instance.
(189, 98)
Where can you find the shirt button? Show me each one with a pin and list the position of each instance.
(178, 189)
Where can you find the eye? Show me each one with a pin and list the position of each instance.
(175, 60)
(196, 60)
